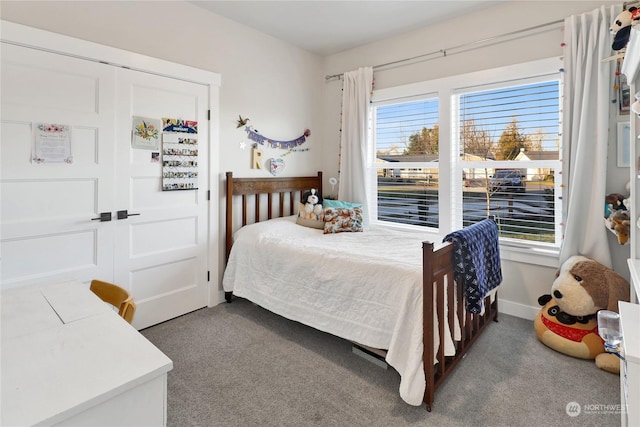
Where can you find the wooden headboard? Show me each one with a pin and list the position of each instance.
(252, 188)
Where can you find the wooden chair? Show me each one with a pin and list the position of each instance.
(116, 296)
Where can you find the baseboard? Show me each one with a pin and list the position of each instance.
(518, 310)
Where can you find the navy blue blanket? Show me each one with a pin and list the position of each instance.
(477, 261)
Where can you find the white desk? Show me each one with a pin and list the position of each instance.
(69, 359)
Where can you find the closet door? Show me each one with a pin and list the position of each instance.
(51, 209)
(47, 226)
(161, 251)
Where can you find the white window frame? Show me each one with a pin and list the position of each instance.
(450, 165)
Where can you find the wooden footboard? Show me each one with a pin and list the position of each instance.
(285, 193)
(438, 281)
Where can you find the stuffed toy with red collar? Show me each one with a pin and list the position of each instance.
(576, 336)
(567, 321)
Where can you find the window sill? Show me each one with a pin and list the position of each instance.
(543, 256)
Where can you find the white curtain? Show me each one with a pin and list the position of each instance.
(588, 84)
(355, 139)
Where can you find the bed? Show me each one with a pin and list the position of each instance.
(376, 288)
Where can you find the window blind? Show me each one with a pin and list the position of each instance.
(509, 146)
(406, 161)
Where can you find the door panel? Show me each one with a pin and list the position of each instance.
(162, 253)
(58, 196)
(78, 255)
(73, 91)
(145, 194)
(47, 231)
(166, 287)
(149, 238)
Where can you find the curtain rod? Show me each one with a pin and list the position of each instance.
(443, 52)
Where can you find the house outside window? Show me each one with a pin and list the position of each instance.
(451, 152)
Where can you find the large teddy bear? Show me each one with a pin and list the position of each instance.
(567, 321)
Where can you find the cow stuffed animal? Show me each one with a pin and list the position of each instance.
(567, 321)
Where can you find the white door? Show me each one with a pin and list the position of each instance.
(47, 208)
(49, 230)
(161, 252)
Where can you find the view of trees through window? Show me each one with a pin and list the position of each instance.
(508, 148)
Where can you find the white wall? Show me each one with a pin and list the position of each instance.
(523, 283)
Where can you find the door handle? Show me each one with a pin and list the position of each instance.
(124, 214)
(104, 217)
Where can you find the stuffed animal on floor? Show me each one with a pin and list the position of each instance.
(575, 336)
(312, 202)
(567, 321)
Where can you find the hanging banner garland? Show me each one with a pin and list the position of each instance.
(274, 143)
(300, 150)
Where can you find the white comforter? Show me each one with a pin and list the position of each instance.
(364, 287)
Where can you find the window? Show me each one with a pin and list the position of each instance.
(407, 161)
(451, 152)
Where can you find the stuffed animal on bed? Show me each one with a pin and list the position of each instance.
(567, 321)
(312, 202)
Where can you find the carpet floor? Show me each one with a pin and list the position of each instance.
(240, 365)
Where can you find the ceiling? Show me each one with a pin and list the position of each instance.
(330, 26)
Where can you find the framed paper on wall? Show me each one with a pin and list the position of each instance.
(624, 156)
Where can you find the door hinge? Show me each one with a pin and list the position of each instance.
(208, 276)
(208, 194)
(208, 114)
